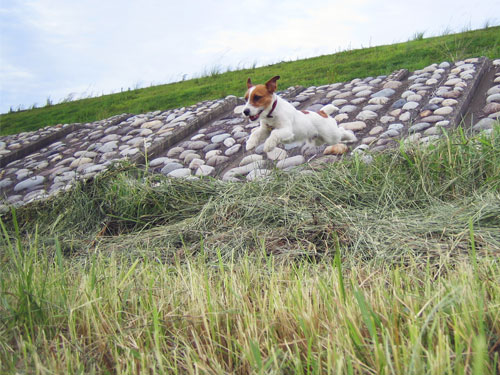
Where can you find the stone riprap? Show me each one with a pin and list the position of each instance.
(208, 139)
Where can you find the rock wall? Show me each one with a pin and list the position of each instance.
(207, 139)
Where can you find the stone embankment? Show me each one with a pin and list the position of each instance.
(208, 139)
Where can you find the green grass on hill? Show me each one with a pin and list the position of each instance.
(338, 67)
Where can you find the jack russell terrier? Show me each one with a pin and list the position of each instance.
(280, 122)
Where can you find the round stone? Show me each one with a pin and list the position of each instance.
(232, 150)
(29, 183)
(443, 111)
(414, 98)
(190, 157)
(410, 105)
(372, 107)
(391, 133)
(397, 127)
(449, 102)
(229, 142)
(379, 100)
(338, 149)
(453, 81)
(6, 182)
(180, 173)
(392, 85)
(196, 163)
(108, 147)
(217, 160)
(291, 162)
(171, 167)
(219, 138)
(196, 145)
(348, 108)
(484, 124)
(398, 103)
(491, 108)
(366, 115)
(276, 154)
(376, 130)
(354, 126)
(204, 170)
(405, 116)
(257, 174)
(384, 92)
(197, 137)
(339, 102)
(493, 98)
(80, 161)
(250, 159)
(493, 90)
(419, 127)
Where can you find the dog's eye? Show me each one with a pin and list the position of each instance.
(257, 98)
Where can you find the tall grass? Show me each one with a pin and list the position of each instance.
(385, 268)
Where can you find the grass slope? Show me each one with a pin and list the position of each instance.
(386, 268)
(337, 67)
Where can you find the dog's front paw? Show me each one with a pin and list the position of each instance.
(270, 145)
(250, 145)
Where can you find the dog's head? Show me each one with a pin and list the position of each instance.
(259, 98)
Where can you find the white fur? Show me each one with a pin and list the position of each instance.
(288, 125)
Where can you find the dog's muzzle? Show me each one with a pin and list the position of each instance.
(246, 112)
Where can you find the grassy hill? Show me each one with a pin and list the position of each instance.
(338, 67)
(382, 268)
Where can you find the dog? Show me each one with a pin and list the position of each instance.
(281, 122)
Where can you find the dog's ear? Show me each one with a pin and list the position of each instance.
(249, 83)
(271, 84)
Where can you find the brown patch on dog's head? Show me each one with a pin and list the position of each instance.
(305, 112)
(271, 84)
(323, 114)
(261, 95)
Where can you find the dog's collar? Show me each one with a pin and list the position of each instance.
(272, 109)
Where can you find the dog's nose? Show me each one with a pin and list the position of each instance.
(246, 112)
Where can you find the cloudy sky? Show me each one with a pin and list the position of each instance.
(59, 48)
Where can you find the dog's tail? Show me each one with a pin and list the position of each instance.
(329, 109)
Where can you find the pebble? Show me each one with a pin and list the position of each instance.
(366, 115)
(384, 92)
(443, 111)
(258, 174)
(491, 108)
(250, 159)
(219, 138)
(171, 167)
(29, 183)
(205, 170)
(354, 126)
(338, 149)
(180, 173)
(410, 105)
(276, 154)
(493, 98)
(348, 108)
(376, 130)
(217, 160)
(290, 162)
(398, 103)
(232, 150)
(484, 124)
(419, 127)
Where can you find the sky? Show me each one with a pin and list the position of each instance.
(51, 50)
